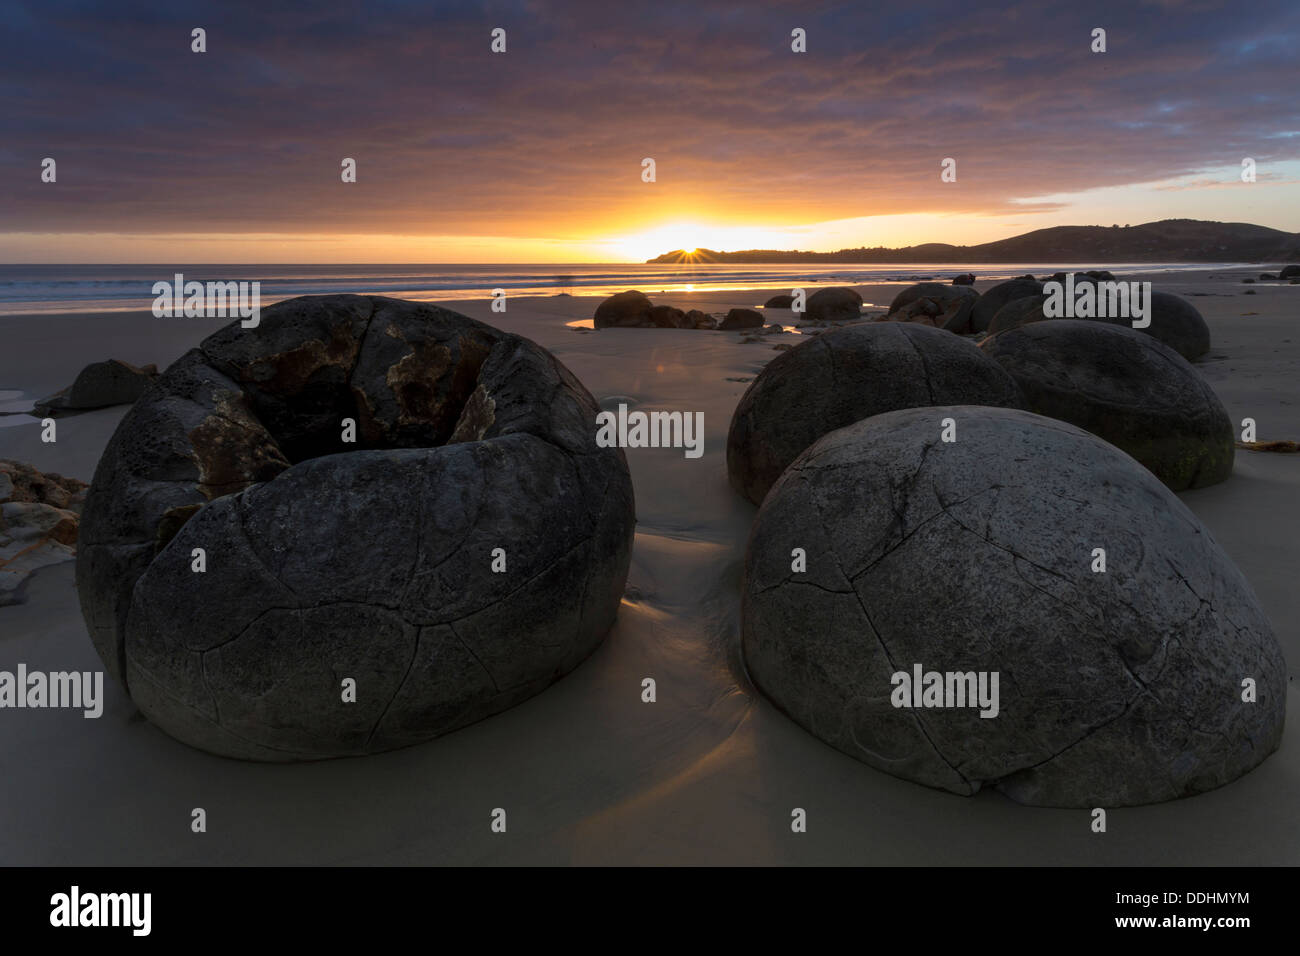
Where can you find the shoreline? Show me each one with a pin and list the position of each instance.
(709, 281)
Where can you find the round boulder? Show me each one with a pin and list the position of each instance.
(625, 310)
(1172, 320)
(695, 319)
(1178, 324)
(846, 375)
(833, 304)
(950, 625)
(741, 319)
(1289, 272)
(779, 302)
(988, 304)
(1128, 388)
(359, 489)
(1017, 312)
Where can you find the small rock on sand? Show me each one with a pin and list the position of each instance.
(741, 319)
(629, 309)
(99, 385)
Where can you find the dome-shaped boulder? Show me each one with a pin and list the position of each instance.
(1170, 319)
(988, 304)
(741, 319)
(945, 618)
(1128, 388)
(833, 304)
(629, 309)
(846, 375)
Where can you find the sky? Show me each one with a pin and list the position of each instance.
(536, 154)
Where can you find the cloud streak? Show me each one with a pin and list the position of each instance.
(547, 139)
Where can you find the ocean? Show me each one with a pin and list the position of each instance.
(118, 288)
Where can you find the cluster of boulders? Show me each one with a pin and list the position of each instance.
(634, 310)
(39, 515)
(1131, 389)
(830, 307)
(954, 307)
(100, 385)
(1017, 302)
(366, 492)
(915, 486)
(1288, 274)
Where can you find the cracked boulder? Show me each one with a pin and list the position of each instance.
(267, 589)
(846, 375)
(936, 304)
(977, 557)
(39, 513)
(667, 317)
(1128, 388)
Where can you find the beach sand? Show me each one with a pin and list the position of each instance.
(587, 773)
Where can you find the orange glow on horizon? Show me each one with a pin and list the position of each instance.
(631, 243)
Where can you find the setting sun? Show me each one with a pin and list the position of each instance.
(691, 237)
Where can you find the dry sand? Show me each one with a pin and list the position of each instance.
(588, 773)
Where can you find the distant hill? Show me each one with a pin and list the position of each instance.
(1170, 240)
